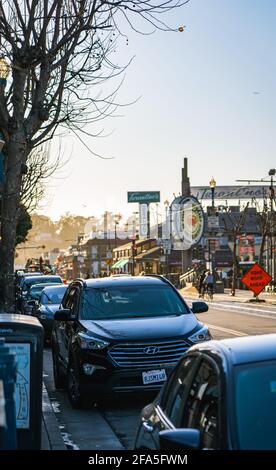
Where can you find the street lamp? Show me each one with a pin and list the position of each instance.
(117, 218)
(166, 248)
(134, 224)
(212, 185)
(4, 71)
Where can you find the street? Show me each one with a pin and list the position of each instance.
(112, 425)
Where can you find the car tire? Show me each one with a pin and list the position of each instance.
(76, 397)
(58, 377)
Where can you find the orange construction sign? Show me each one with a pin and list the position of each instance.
(256, 279)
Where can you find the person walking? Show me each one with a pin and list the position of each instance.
(200, 283)
(209, 283)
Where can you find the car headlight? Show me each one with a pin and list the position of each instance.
(88, 342)
(201, 335)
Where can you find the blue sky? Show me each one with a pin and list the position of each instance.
(198, 99)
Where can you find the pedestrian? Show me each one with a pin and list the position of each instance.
(209, 282)
(200, 283)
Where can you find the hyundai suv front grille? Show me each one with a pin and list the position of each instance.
(148, 354)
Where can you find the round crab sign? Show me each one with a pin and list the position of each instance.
(188, 220)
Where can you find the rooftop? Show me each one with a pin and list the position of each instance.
(123, 281)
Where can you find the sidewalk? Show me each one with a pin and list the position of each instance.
(241, 295)
(51, 438)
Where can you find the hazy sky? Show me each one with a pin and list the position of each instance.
(208, 93)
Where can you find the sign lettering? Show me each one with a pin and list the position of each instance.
(256, 279)
(145, 197)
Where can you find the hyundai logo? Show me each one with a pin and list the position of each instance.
(151, 350)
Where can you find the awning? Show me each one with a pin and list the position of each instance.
(120, 263)
(123, 262)
(115, 265)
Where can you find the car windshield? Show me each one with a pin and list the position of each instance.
(52, 296)
(256, 405)
(41, 280)
(123, 302)
(35, 292)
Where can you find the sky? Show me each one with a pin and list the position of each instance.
(207, 94)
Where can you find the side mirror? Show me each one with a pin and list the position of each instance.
(180, 439)
(63, 315)
(32, 303)
(199, 307)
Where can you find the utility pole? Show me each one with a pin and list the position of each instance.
(271, 173)
(134, 253)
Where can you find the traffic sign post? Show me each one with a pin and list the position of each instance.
(256, 279)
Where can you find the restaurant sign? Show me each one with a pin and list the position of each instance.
(231, 192)
(144, 197)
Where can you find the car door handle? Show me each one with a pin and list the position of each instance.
(147, 426)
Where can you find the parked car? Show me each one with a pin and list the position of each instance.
(222, 395)
(20, 274)
(121, 334)
(32, 298)
(26, 284)
(47, 305)
(19, 277)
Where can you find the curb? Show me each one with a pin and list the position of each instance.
(51, 435)
(227, 298)
(231, 300)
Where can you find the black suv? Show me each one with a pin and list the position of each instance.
(121, 334)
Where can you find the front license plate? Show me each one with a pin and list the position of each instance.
(154, 376)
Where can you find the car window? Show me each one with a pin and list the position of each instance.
(71, 300)
(201, 409)
(54, 296)
(121, 302)
(68, 300)
(40, 280)
(178, 388)
(255, 405)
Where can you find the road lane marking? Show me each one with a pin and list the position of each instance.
(246, 308)
(226, 330)
(248, 312)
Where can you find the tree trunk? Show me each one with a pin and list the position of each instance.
(9, 216)
(234, 275)
(262, 249)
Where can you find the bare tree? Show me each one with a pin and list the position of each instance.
(264, 222)
(40, 169)
(59, 51)
(267, 226)
(234, 225)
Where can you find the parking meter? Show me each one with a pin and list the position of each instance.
(24, 335)
(7, 396)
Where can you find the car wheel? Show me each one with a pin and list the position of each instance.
(58, 377)
(76, 397)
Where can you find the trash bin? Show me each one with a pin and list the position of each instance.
(219, 287)
(7, 397)
(25, 337)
